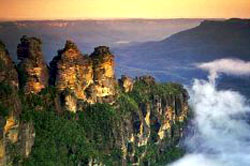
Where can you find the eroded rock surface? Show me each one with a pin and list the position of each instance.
(158, 121)
(73, 73)
(103, 90)
(126, 83)
(32, 67)
(143, 121)
(12, 143)
(79, 77)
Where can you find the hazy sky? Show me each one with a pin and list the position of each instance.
(73, 9)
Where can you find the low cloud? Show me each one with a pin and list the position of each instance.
(220, 128)
(226, 66)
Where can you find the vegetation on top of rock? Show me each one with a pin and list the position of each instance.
(101, 50)
(83, 117)
(92, 134)
(70, 44)
(144, 91)
(141, 102)
(5, 91)
(73, 139)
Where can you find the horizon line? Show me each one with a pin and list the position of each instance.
(115, 18)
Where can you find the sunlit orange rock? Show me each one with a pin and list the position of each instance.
(32, 67)
(126, 83)
(79, 77)
(104, 88)
(72, 72)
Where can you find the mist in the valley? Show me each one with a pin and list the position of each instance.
(220, 134)
(234, 67)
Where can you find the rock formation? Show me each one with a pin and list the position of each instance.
(7, 68)
(13, 140)
(104, 88)
(143, 123)
(146, 79)
(126, 83)
(72, 73)
(32, 68)
(158, 122)
(83, 78)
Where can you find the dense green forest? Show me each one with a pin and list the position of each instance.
(64, 138)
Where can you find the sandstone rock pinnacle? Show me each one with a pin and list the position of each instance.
(32, 67)
(11, 129)
(79, 77)
(72, 72)
(104, 88)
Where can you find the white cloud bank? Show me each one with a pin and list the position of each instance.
(221, 130)
(227, 66)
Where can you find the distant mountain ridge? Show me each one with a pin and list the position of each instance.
(215, 33)
(208, 41)
(170, 56)
(173, 58)
(89, 33)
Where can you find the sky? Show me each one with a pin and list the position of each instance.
(105, 9)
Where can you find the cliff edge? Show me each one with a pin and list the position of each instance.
(75, 112)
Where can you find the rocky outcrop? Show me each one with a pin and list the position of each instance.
(126, 83)
(10, 105)
(136, 125)
(103, 90)
(12, 142)
(149, 80)
(8, 72)
(84, 78)
(157, 123)
(72, 73)
(32, 68)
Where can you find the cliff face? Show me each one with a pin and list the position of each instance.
(32, 68)
(104, 88)
(83, 78)
(72, 73)
(126, 83)
(138, 123)
(156, 120)
(14, 134)
(10, 104)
